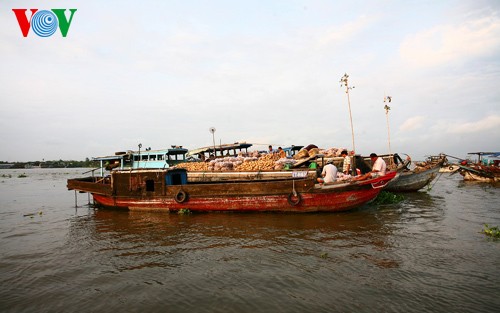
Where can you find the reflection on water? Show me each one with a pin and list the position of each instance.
(151, 237)
(424, 254)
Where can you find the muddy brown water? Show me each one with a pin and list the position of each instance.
(425, 254)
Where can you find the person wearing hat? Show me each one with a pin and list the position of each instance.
(347, 162)
(329, 173)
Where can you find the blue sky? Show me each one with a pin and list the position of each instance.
(163, 72)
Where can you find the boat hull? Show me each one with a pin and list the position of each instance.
(309, 202)
(471, 176)
(411, 181)
(297, 195)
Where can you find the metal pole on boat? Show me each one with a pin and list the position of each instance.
(344, 82)
(387, 109)
(139, 158)
(212, 130)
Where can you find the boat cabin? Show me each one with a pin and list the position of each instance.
(143, 159)
(487, 158)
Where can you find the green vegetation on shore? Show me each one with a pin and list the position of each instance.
(50, 164)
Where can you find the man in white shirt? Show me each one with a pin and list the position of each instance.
(379, 166)
(329, 173)
(378, 169)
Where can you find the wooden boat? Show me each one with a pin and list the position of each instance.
(419, 177)
(416, 178)
(449, 168)
(169, 190)
(486, 169)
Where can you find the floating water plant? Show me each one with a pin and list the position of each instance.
(22, 176)
(184, 211)
(491, 231)
(386, 197)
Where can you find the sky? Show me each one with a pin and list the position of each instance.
(162, 73)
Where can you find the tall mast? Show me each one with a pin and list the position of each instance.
(387, 108)
(344, 82)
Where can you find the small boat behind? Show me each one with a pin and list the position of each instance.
(418, 177)
(486, 169)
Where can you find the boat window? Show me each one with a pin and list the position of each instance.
(160, 157)
(150, 185)
(136, 158)
(152, 157)
(144, 157)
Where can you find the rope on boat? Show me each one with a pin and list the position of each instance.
(429, 187)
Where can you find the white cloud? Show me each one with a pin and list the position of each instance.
(491, 122)
(412, 123)
(338, 34)
(450, 43)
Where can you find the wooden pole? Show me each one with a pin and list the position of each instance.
(345, 81)
(387, 109)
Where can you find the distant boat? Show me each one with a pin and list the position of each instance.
(417, 178)
(449, 168)
(31, 166)
(486, 169)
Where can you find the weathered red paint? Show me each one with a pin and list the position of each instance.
(228, 197)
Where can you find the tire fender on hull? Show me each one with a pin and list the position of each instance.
(294, 198)
(181, 196)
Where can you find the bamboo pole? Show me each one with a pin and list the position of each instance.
(387, 109)
(344, 81)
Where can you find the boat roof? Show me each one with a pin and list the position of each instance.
(485, 153)
(223, 147)
(175, 150)
(293, 147)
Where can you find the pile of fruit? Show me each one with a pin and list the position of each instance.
(265, 162)
(255, 161)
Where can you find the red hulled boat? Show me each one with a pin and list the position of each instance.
(170, 190)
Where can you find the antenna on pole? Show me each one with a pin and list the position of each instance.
(387, 108)
(344, 81)
(212, 130)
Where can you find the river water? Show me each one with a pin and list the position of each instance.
(425, 254)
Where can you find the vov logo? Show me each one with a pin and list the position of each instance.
(44, 22)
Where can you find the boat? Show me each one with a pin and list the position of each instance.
(418, 177)
(449, 168)
(168, 189)
(411, 178)
(486, 169)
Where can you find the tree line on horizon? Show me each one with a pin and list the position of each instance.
(52, 164)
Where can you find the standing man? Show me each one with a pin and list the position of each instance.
(346, 168)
